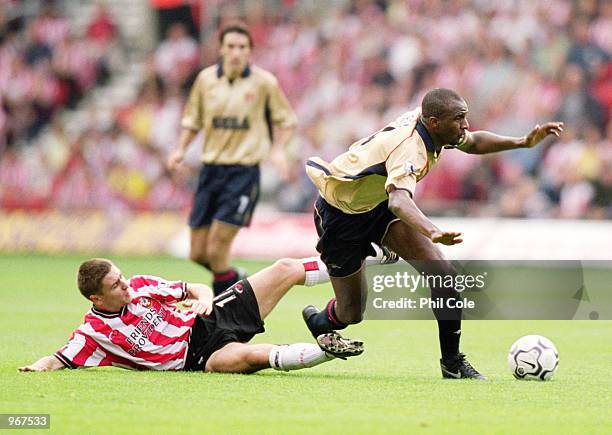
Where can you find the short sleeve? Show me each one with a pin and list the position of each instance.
(403, 165)
(81, 351)
(465, 144)
(281, 112)
(193, 115)
(159, 288)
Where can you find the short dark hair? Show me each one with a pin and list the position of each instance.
(90, 276)
(437, 102)
(235, 28)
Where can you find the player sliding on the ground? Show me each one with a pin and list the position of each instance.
(135, 324)
(366, 195)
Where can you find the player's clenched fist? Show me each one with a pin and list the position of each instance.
(175, 159)
(202, 307)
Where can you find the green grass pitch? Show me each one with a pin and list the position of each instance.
(394, 387)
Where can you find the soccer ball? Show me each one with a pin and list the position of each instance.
(533, 357)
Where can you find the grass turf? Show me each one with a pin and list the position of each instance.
(394, 387)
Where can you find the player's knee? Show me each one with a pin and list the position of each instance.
(199, 256)
(215, 252)
(218, 249)
(221, 238)
(288, 267)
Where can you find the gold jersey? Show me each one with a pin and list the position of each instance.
(237, 116)
(400, 154)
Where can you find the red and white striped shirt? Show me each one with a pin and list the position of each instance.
(149, 333)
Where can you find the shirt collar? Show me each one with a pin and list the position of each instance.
(107, 314)
(429, 144)
(245, 73)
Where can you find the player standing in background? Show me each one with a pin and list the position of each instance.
(241, 108)
(366, 196)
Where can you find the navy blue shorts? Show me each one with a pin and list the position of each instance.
(345, 240)
(227, 193)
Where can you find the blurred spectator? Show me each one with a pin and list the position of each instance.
(177, 56)
(36, 49)
(578, 107)
(50, 25)
(102, 28)
(170, 12)
(584, 51)
(102, 34)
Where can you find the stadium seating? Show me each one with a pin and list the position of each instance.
(347, 71)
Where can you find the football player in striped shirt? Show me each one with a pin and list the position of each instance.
(135, 323)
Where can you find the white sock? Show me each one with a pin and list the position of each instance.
(297, 356)
(316, 271)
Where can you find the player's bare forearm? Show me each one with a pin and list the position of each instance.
(45, 364)
(176, 157)
(187, 136)
(402, 206)
(279, 155)
(282, 135)
(485, 142)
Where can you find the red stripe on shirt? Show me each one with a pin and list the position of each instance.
(88, 350)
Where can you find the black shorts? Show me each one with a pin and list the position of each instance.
(346, 239)
(235, 319)
(227, 193)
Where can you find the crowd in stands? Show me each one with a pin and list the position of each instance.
(347, 72)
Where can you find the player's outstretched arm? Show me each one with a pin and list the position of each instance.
(45, 364)
(402, 206)
(485, 142)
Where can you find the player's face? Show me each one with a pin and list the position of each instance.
(453, 126)
(235, 50)
(115, 292)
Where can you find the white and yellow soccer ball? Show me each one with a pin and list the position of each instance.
(533, 357)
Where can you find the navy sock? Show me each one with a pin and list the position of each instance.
(326, 320)
(449, 334)
(449, 319)
(222, 281)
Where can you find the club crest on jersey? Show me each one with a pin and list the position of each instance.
(410, 168)
(145, 302)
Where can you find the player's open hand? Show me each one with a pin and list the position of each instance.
(202, 306)
(446, 237)
(539, 132)
(32, 368)
(175, 159)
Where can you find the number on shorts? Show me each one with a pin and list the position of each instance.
(224, 301)
(244, 202)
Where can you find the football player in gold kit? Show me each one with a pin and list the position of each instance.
(366, 196)
(240, 108)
